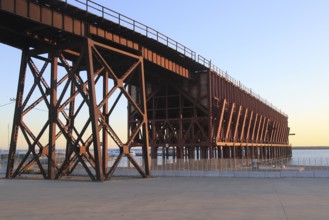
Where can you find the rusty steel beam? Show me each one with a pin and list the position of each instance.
(254, 127)
(237, 123)
(221, 118)
(53, 114)
(242, 133)
(265, 131)
(105, 140)
(17, 114)
(93, 109)
(251, 118)
(173, 102)
(145, 130)
(229, 122)
(259, 125)
(78, 145)
(140, 108)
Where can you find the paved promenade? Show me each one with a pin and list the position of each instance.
(167, 198)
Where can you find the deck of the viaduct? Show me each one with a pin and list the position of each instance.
(79, 59)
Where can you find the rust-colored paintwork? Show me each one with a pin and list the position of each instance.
(176, 100)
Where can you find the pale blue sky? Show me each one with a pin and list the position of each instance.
(278, 48)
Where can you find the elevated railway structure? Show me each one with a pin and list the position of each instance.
(80, 59)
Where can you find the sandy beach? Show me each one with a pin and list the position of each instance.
(166, 198)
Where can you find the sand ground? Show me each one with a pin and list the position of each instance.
(167, 198)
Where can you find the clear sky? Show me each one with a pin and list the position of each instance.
(278, 48)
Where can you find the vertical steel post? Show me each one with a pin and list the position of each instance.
(93, 111)
(70, 124)
(242, 134)
(105, 137)
(248, 138)
(220, 153)
(258, 130)
(146, 147)
(237, 123)
(180, 153)
(17, 114)
(53, 112)
(254, 128)
(229, 125)
(221, 119)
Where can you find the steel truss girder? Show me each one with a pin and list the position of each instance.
(187, 128)
(246, 126)
(229, 124)
(250, 129)
(89, 59)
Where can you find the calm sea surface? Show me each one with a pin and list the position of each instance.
(297, 153)
(310, 157)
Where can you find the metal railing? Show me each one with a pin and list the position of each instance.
(120, 19)
(288, 167)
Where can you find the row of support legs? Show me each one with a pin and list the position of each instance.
(75, 86)
(226, 152)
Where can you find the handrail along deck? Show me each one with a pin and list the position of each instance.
(120, 19)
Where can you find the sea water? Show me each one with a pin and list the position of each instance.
(310, 157)
(310, 153)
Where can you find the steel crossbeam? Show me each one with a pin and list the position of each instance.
(78, 91)
(76, 69)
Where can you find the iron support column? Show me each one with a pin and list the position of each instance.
(17, 114)
(146, 146)
(93, 111)
(53, 112)
(105, 137)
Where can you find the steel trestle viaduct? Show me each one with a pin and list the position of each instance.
(79, 59)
